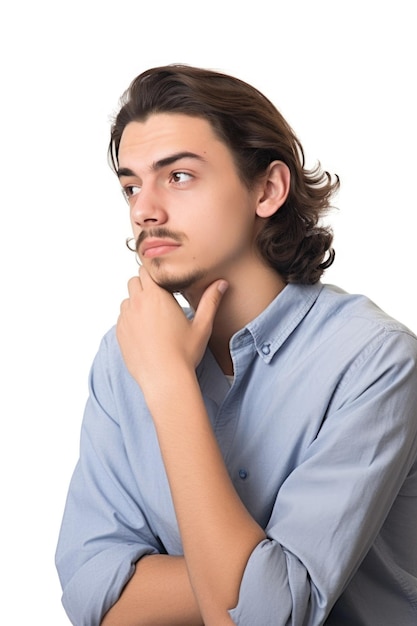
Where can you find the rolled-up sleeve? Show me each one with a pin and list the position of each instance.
(331, 508)
(104, 531)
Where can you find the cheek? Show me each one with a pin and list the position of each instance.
(133, 223)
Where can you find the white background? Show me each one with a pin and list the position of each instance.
(343, 73)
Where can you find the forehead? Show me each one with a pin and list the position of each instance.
(164, 133)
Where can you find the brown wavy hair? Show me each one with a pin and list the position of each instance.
(292, 240)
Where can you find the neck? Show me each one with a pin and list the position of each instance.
(244, 300)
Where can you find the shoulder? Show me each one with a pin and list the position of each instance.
(108, 348)
(343, 333)
(354, 311)
(365, 341)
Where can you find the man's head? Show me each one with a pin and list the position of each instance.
(291, 241)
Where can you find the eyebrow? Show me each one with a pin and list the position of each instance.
(161, 163)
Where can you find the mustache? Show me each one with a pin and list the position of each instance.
(160, 232)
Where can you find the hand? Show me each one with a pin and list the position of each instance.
(155, 336)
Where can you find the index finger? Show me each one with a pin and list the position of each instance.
(144, 276)
(134, 286)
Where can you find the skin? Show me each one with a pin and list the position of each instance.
(195, 222)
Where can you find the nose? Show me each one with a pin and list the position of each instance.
(147, 208)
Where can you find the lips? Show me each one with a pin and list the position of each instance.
(158, 247)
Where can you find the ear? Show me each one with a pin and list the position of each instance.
(274, 189)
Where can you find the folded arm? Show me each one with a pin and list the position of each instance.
(158, 594)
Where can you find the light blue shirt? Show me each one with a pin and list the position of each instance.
(319, 434)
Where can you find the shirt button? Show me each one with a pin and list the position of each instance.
(243, 474)
(266, 348)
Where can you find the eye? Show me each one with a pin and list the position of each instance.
(181, 177)
(130, 191)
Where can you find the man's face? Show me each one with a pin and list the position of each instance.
(192, 217)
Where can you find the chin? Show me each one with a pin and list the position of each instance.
(178, 284)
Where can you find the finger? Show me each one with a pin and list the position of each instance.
(145, 277)
(134, 286)
(209, 303)
(124, 305)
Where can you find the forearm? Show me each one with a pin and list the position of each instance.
(158, 594)
(217, 531)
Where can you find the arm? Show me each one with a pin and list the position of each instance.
(105, 539)
(217, 532)
(346, 503)
(158, 594)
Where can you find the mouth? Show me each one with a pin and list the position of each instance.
(158, 247)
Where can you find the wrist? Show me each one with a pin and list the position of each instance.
(171, 389)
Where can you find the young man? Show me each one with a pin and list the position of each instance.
(252, 461)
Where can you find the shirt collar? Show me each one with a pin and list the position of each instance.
(275, 324)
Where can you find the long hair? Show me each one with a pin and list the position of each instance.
(293, 240)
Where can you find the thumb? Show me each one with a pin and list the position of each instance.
(209, 303)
